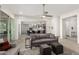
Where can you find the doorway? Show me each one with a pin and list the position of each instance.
(70, 28)
(5, 26)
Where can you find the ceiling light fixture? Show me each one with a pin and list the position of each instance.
(43, 16)
(21, 13)
(45, 13)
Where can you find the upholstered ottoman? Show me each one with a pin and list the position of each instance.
(57, 48)
(45, 49)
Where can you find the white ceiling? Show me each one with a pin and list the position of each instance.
(36, 9)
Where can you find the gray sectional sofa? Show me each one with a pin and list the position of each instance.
(37, 39)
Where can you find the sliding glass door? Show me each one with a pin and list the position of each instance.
(5, 26)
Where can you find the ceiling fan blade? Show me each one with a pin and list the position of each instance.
(48, 15)
(45, 14)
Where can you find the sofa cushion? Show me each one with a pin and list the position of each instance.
(33, 37)
(42, 40)
(41, 36)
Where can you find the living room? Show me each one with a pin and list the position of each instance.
(44, 21)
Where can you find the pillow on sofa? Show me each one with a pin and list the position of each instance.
(5, 46)
(52, 36)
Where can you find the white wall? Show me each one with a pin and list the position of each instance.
(72, 13)
(55, 22)
(48, 25)
(67, 24)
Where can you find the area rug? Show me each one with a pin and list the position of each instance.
(36, 51)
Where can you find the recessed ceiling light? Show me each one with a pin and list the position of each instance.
(20, 13)
(43, 16)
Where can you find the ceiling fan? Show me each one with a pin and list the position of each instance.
(45, 13)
